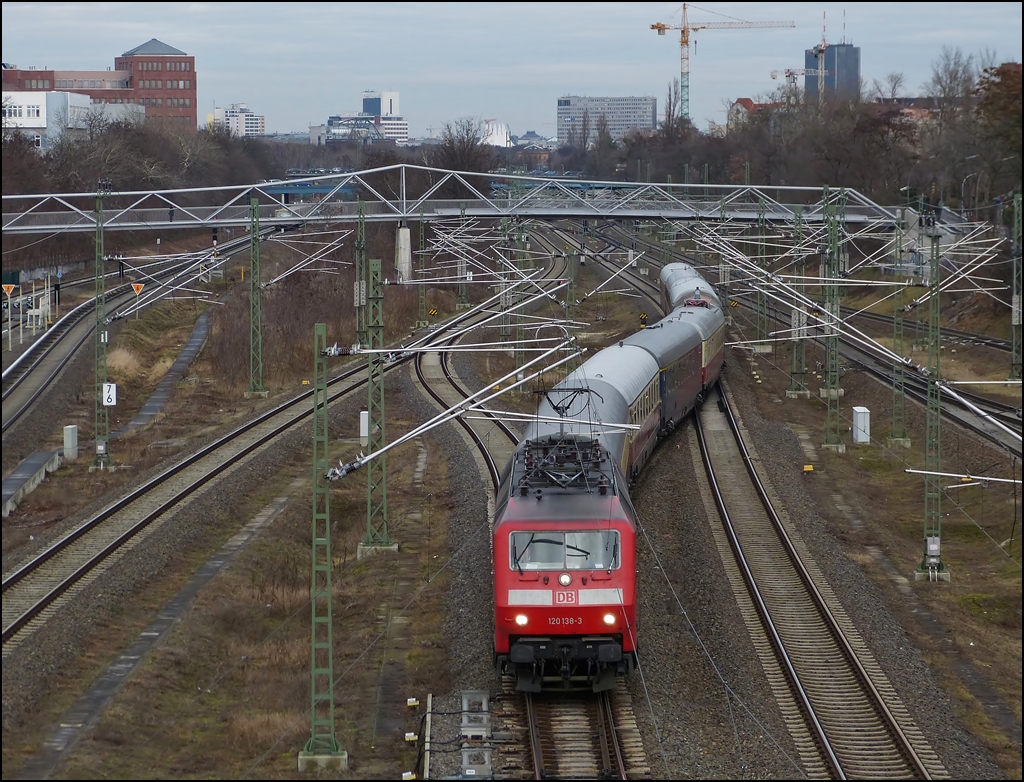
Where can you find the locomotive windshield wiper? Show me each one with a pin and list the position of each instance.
(515, 556)
(530, 542)
(519, 556)
(583, 552)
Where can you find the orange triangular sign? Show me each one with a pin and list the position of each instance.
(137, 287)
(8, 289)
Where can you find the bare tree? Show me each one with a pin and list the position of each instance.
(585, 130)
(891, 88)
(952, 83)
(672, 125)
(462, 147)
(601, 161)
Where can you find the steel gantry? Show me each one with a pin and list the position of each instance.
(489, 196)
(103, 393)
(322, 736)
(256, 386)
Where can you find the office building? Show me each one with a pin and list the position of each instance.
(156, 76)
(624, 116)
(239, 120)
(380, 104)
(379, 120)
(842, 61)
(45, 116)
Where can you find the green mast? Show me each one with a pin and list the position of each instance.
(1015, 360)
(833, 440)
(376, 468)
(101, 428)
(360, 286)
(255, 303)
(899, 397)
(323, 746)
(931, 566)
(798, 317)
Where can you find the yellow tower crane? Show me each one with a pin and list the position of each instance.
(684, 46)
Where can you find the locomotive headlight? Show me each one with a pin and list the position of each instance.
(521, 620)
(609, 619)
(565, 579)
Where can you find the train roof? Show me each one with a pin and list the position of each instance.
(564, 509)
(681, 281)
(603, 405)
(627, 367)
(671, 337)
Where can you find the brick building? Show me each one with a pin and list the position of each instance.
(154, 75)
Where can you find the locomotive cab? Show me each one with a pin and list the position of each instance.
(565, 572)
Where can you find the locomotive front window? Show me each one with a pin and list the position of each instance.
(589, 550)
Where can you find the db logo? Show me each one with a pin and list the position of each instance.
(565, 597)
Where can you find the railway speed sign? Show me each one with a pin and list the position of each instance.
(109, 394)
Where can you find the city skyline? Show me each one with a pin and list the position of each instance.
(297, 65)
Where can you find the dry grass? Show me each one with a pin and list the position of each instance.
(124, 362)
(228, 692)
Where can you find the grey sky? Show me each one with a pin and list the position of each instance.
(296, 63)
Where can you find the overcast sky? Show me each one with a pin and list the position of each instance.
(296, 63)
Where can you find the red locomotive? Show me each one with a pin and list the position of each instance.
(565, 529)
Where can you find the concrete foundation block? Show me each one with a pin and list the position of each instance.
(309, 761)
(364, 551)
(898, 442)
(805, 394)
(256, 394)
(836, 393)
(762, 347)
(939, 575)
(834, 447)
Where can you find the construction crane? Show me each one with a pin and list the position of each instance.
(684, 46)
(790, 75)
(819, 52)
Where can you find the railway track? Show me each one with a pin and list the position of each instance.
(36, 590)
(37, 368)
(988, 418)
(845, 718)
(568, 736)
(954, 336)
(579, 735)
